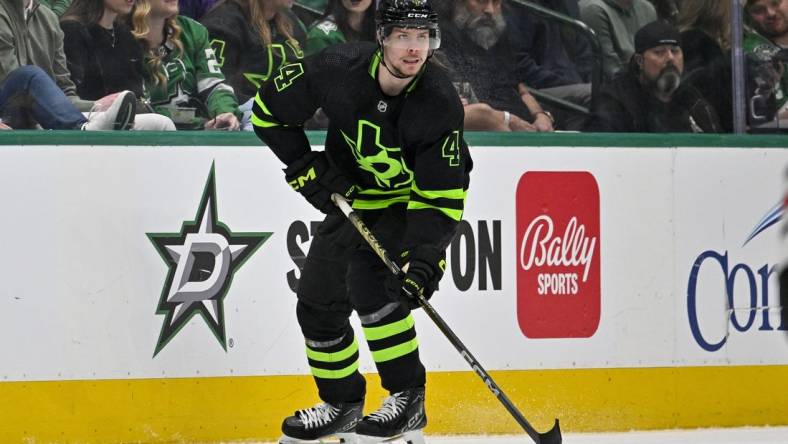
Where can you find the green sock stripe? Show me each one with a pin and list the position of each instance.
(389, 330)
(336, 356)
(387, 354)
(335, 374)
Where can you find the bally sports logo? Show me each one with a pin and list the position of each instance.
(558, 254)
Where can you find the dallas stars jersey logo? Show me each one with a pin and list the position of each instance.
(202, 259)
(384, 163)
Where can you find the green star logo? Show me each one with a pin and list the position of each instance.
(201, 259)
(384, 163)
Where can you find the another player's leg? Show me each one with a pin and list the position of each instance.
(331, 347)
(390, 332)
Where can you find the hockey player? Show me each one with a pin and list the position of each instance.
(395, 147)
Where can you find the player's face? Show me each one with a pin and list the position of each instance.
(356, 5)
(163, 8)
(118, 6)
(407, 50)
(771, 16)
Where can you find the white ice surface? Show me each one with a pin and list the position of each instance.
(744, 435)
(771, 435)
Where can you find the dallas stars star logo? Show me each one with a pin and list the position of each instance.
(202, 259)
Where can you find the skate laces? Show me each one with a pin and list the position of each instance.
(391, 408)
(318, 415)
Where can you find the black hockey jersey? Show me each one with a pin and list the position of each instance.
(403, 149)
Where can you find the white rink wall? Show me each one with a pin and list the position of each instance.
(672, 226)
(616, 284)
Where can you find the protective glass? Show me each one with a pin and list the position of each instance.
(398, 37)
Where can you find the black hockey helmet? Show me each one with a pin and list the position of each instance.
(414, 14)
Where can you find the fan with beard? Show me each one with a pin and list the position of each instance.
(485, 30)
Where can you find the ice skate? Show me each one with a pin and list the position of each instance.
(323, 423)
(399, 420)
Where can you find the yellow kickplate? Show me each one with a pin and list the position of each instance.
(193, 410)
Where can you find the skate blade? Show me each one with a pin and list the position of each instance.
(412, 437)
(339, 438)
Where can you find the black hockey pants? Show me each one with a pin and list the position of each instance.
(341, 274)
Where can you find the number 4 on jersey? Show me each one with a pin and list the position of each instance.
(451, 148)
(287, 74)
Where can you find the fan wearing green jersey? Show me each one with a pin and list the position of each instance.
(183, 77)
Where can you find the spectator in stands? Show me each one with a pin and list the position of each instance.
(345, 21)
(195, 9)
(183, 79)
(615, 23)
(104, 58)
(252, 39)
(555, 60)
(57, 6)
(29, 97)
(26, 91)
(667, 10)
(477, 49)
(315, 5)
(650, 97)
(705, 27)
(768, 44)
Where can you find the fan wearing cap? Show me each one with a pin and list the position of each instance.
(650, 97)
(395, 147)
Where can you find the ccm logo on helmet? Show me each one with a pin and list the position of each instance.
(417, 15)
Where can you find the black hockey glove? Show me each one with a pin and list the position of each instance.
(425, 270)
(314, 177)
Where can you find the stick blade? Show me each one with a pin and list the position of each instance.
(553, 436)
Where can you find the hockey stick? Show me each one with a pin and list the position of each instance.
(553, 436)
